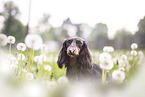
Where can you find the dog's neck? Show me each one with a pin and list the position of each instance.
(72, 61)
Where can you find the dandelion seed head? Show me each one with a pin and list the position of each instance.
(134, 46)
(121, 68)
(51, 85)
(44, 48)
(21, 46)
(3, 40)
(11, 39)
(118, 76)
(33, 41)
(14, 60)
(19, 57)
(124, 57)
(36, 58)
(134, 52)
(107, 65)
(106, 61)
(29, 76)
(108, 49)
(47, 67)
(104, 57)
(62, 80)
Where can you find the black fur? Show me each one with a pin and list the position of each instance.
(84, 68)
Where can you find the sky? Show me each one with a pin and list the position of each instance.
(117, 14)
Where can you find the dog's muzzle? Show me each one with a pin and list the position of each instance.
(73, 51)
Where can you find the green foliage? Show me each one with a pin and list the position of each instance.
(141, 26)
(12, 26)
(122, 33)
(100, 30)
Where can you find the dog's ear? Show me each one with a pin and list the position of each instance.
(85, 56)
(63, 57)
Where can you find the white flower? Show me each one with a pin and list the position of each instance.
(124, 57)
(106, 61)
(51, 85)
(47, 67)
(134, 52)
(21, 46)
(36, 58)
(14, 67)
(118, 76)
(11, 39)
(121, 68)
(108, 49)
(23, 57)
(104, 57)
(134, 46)
(62, 80)
(44, 48)
(33, 41)
(29, 76)
(3, 39)
(141, 53)
(24, 70)
(107, 65)
(40, 59)
(14, 60)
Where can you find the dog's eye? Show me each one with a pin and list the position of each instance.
(79, 42)
(69, 41)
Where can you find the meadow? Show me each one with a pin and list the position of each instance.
(31, 63)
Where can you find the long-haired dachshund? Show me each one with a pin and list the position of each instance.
(77, 58)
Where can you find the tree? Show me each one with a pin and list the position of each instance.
(12, 26)
(100, 30)
(140, 34)
(123, 39)
(99, 36)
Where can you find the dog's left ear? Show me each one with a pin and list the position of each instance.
(85, 56)
(63, 57)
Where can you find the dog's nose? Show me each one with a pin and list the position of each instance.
(71, 50)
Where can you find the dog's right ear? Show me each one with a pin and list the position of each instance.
(63, 57)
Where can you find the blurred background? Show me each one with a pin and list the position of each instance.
(99, 22)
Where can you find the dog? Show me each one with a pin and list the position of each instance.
(75, 55)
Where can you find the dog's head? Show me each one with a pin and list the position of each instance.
(74, 47)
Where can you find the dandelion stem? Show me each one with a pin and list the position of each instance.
(10, 52)
(21, 62)
(32, 59)
(103, 76)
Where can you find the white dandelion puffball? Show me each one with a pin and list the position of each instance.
(106, 61)
(11, 39)
(3, 39)
(19, 57)
(121, 68)
(108, 49)
(62, 80)
(124, 57)
(47, 67)
(134, 52)
(134, 46)
(51, 85)
(14, 60)
(21, 46)
(44, 48)
(104, 57)
(29, 76)
(108, 65)
(118, 76)
(33, 41)
(36, 58)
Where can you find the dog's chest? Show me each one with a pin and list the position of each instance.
(77, 72)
